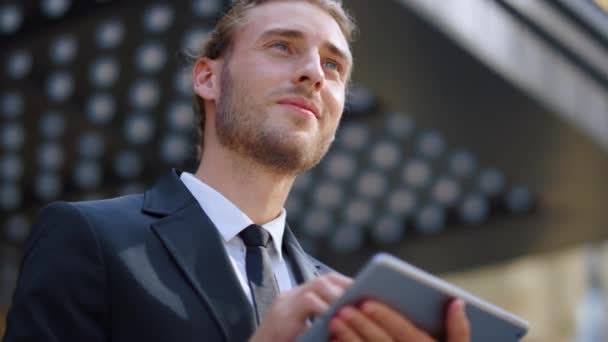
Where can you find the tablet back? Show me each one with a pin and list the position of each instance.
(422, 298)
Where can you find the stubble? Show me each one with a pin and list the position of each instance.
(240, 127)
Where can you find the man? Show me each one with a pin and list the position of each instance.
(171, 265)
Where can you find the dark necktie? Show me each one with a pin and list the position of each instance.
(259, 269)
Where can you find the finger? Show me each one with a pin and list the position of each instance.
(309, 304)
(458, 327)
(397, 326)
(310, 299)
(326, 288)
(292, 308)
(341, 331)
(363, 326)
(339, 279)
(314, 297)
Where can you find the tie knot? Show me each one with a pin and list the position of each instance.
(255, 236)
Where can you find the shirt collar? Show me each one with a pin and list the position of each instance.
(227, 217)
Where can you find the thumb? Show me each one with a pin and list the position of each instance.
(458, 326)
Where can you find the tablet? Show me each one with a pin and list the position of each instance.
(422, 298)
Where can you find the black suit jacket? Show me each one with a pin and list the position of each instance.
(148, 267)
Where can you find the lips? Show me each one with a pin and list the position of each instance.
(301, 103)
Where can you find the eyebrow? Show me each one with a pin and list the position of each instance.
(295, 34)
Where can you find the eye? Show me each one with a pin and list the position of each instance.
(280, 46)
(333, 65)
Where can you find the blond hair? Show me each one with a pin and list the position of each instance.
(221, 38)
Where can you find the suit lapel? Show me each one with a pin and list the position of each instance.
(303, 266)
(196, 247)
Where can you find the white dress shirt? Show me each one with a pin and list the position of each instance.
(230, 221)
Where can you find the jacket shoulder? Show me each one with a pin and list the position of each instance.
(74, 218)
(128, 203)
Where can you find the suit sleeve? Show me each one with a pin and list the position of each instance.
(61, 292)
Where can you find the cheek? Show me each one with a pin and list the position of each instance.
(334, 102)
(259, 70)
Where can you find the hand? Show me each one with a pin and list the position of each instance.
(374, 321)
(288, 315)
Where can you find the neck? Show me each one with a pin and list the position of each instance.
(256, 192)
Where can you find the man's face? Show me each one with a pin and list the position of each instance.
(283, 86)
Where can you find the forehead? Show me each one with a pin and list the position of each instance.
(318, 25)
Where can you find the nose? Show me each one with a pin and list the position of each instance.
(310, 73)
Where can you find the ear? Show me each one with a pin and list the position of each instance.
(205, 78)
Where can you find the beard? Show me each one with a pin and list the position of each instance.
(240, 128)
